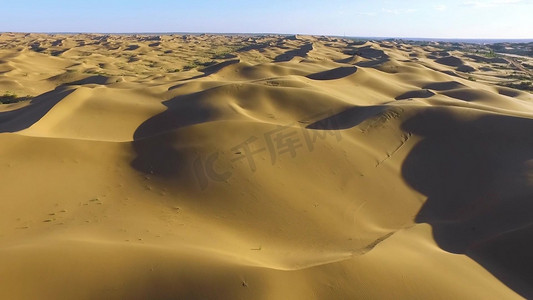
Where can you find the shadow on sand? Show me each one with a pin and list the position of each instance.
(22, 118)
(154, 140)
(210, 70)
(478, 177)
(336, 73)
(301, 52)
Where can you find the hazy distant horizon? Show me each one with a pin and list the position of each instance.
(416, 39)
(444, 19)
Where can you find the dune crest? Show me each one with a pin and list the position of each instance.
(261, 167)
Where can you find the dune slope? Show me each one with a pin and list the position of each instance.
(239, 167)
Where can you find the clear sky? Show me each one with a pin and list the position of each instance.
(378, 18)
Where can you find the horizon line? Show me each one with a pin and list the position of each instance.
(262, 33)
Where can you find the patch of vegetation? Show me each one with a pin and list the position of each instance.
(520, 76)
(524, 85)
(224, 52)
(197, 63)
(190, 66)
(207, 63)
(37, 47)
(222, 55)
(10, 97)
(490, 54)
(96, 72)
(57, 52)
(471, 78)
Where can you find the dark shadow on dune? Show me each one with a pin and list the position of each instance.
(456, 62)
(467, 94)
(158, 155)
(258, 47)
(477, 176)
(465, 69)
(154, 142)
(22, 118)
(375, 57)
(210, 70)
(181, 111)
(97, 79)
(348, 118)
(58, 52)
(367, 52)
(481, 59)
(443, 86)
(57, 43)
(440, 53)
(132, 47)
(301, 52)
(372, 63)
(451, 61)
(345, 60)
(383, 45)
(217, 67)
(332, 74)
(508, 92)
(158, 150)
(449, 72)
(415, 94)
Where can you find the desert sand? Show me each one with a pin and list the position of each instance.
(261, 167)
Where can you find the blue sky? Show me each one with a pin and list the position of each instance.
(378, 18)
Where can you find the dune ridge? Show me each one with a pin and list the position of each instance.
(261, 167)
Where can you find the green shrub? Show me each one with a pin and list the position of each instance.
(10, 97)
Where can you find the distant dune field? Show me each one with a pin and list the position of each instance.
(261, 167)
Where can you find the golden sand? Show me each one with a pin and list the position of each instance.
(237, 167)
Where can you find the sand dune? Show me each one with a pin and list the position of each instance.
(261, 167)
